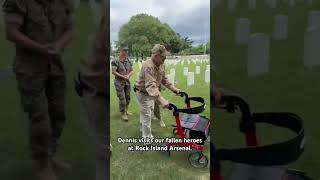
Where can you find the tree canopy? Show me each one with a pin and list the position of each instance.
(143, 31)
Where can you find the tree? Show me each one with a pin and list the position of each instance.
(143, 31)
(201, 49)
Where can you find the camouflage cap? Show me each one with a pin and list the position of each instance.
(160, 49)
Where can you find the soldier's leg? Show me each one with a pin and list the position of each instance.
(127, 94)
(55, 91)
(34, 102)
(127, 91)
(97, 113)
(146, 108)
(121, 95)
(156, 111)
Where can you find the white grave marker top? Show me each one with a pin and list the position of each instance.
(311, 47)
(208, 67)
(258, 54)
(185, 71)
(314, 19)
(280, 31)
(197, 69)
(207, 76)
(190, 80)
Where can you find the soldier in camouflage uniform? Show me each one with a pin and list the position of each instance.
(122, 70)
(40, 30)
(151, 76)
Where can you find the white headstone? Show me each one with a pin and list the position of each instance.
(173, 71)
(314, 19)
(311, 55)
(272, 3)
(215, 3)
(76, 4)
(252, 4)
(258, 54)
(292, 2)
(232, 5)
(208, 67)
(197, 69)
(309, 2)
(170, 77)
(185, 71)
(207, 76)
(190, 80)
(140, 65)
(280, 30)
(242, 31)
(1, 13)
(6, 73)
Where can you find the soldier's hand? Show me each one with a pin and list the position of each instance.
(57, 47)
(125, 77)
(177, 92)
(48, 50)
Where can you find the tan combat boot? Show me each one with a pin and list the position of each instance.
(124, 116)
(44, 171)
(129, 113)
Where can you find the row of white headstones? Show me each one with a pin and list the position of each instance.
(189, 75)
(258, 52)
(252, 4)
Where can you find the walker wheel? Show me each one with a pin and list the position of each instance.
(175, 131)
(198, 160)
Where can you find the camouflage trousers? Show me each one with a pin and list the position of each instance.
(156, 110)
(97, 125)
(123, 92)
(43, 99)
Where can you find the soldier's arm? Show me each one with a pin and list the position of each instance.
(115, 73)
(14, 35)
(14, 13)
(131, 70)
(151, 87)
(66, 37)
(150, 82)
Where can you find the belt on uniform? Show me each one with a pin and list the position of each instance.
(135, 89)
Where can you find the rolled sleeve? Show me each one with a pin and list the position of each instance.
(150, 83)
(14, 11)
(114, 64)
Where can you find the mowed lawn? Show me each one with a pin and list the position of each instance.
(288, 87)
(15, 163)
(154, 165)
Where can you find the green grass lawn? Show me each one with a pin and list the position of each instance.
(288, 87)
(154, 165)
